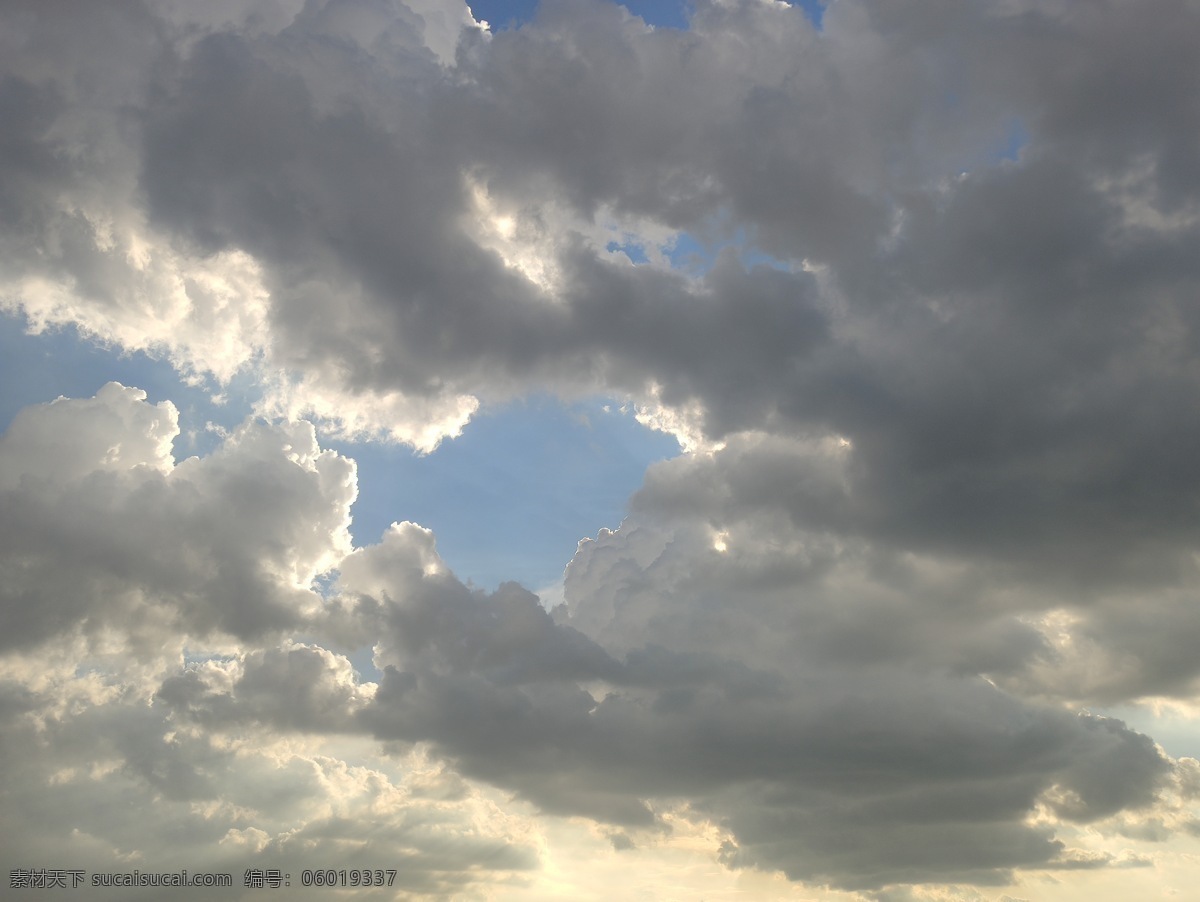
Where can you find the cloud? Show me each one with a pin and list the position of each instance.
(939, 490)
(341, 156)
(296, 687)
(791, 765)
(104, 530)
(82, 786)
(728, 659)
(813, 764)
(139, 673)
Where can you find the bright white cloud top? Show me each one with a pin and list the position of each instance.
(914, 286)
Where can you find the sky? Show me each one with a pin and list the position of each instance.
(562, 450)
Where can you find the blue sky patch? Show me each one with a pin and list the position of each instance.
(695, 255)
(512, 496)
(508, 499)
(61, 361)
(635, 252)
(1015, 140)
(815, 10)
(505, 14)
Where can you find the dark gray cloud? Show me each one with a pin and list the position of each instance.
(797, 688)
(799, 749)
(301, 688)
(1005, 349)
(88, 782)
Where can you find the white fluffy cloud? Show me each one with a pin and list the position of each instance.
(228, 544)
(119, 565)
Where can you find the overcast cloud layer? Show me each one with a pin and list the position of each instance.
(935, 378)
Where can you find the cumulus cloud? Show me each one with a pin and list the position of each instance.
(228, 544)
(119, 787)
(729, 659)
(139, 671)
(932, 378)
(342, 156)
(813, 761)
